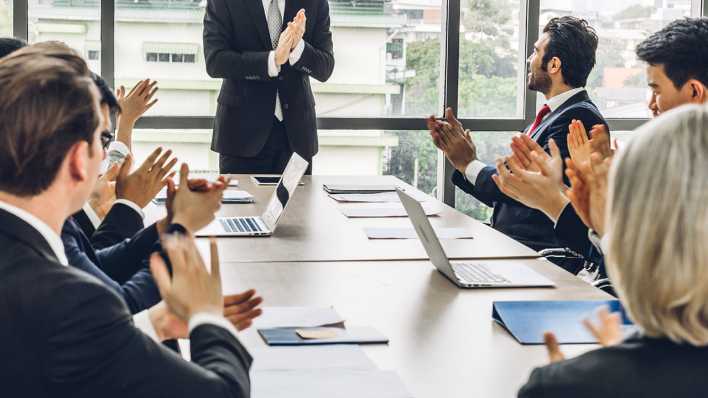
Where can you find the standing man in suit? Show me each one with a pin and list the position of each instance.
(67, 333)
(558, 68)
(266, 51)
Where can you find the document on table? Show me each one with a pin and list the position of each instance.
(283, 317)
(369, 210)
(340, 383)
(230, 196)
(382, 197)
(301, 336)
(353, 188)
(350, 357)
(409, 233)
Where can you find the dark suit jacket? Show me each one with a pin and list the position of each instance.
(139, 290)
(68, 335)
(530, 226)
(236, 47)
(641, 367)
(120, 223)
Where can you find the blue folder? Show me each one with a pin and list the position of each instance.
(527, 321)
(350, 335)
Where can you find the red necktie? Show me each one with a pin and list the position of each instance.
(545, 110)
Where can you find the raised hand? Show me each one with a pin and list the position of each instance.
(137, 101)
(608, 331)
(194, 209)
(579, 192)
(285, 44)
(522, 146)
(104, 192)
(579, 143)
(141, 186)
(598, 191)
(241, 309)
(554, 352)
(600, 141)
(298, 26)
(456, 142)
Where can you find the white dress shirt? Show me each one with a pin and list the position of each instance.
(475, 167)
(273, 68)
(141, 319)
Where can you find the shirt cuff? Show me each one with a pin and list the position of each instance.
(117, 152)
(205, 318)
(473, 169)
(296, 53)
(142, 322)
(273, 68)
(92, 216)
(132, 206)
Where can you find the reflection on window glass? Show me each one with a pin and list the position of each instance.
(492, 43)
(618, 83)
(74, 22)
(6, 17)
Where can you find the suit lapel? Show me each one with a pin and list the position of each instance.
(18, 229)
(255, 7)
(579, 97)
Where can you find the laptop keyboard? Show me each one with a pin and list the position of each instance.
(240, 224)
(474, 273)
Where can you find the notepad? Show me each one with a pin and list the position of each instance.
(358, 189)
(368, 210)
(527, 321)
(409, 233)
(321, 336)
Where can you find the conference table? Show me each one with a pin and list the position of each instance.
(443, 342)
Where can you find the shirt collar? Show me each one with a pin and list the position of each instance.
(47, 233)
(560, 99)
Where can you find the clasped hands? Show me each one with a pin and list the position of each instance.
(451, 138)
(290, 37)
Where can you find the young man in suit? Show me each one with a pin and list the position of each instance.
(266, 51)
(559, 67)
(68, 334)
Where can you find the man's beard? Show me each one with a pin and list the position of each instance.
(540, 82)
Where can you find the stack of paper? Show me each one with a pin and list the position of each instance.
(353, 188)
(373, 210)
(230, 196)
(383, 197)
(409, 233)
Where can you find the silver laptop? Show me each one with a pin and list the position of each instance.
(469, 274)
(263, 225)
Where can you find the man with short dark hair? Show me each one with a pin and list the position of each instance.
(562, 59)
(677, 64)
(67, 334)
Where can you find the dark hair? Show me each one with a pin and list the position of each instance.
(107, 96)
(48, 105)
(574, 42)
(682, 48)
(9, 45)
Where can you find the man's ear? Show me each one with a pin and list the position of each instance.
(554, 65)
(697, 91)
(78, 160)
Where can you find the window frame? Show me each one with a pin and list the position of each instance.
(450, 46)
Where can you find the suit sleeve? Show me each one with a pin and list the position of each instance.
(317, 58)
(120, 223)
(121, 261)
(571, 232)
(93, 349)
(222, 60)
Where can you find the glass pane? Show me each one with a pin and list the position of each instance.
(492, 48)
(74, 22)
(409, 155)
(618, 82)
(6, 17)
(387, 57)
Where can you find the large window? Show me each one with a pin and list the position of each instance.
(74, 22)
(618, 82)
(6, 17)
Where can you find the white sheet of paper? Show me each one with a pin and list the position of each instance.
(340, 383)
(409, 233)
(383, 197)
(232, 194)
(282, 317)
(350, 357)
(368, 210)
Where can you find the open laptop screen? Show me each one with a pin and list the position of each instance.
(284, 190)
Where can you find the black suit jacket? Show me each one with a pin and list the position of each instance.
(530, 226)
(236, 47)
(139, 291)
(641, 367)
(120, 223)
(67, 335)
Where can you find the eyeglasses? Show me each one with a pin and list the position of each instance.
(106, 139)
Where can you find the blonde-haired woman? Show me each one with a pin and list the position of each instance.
(657, 255)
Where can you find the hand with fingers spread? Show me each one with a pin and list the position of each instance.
(141, 186)
(298, 25)
(191, 289)
(104, 192)
(133, 105)
(608, 331)
(194, 209)
(241, 309)
(522, 146)
(456, 142)
(542, 190)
